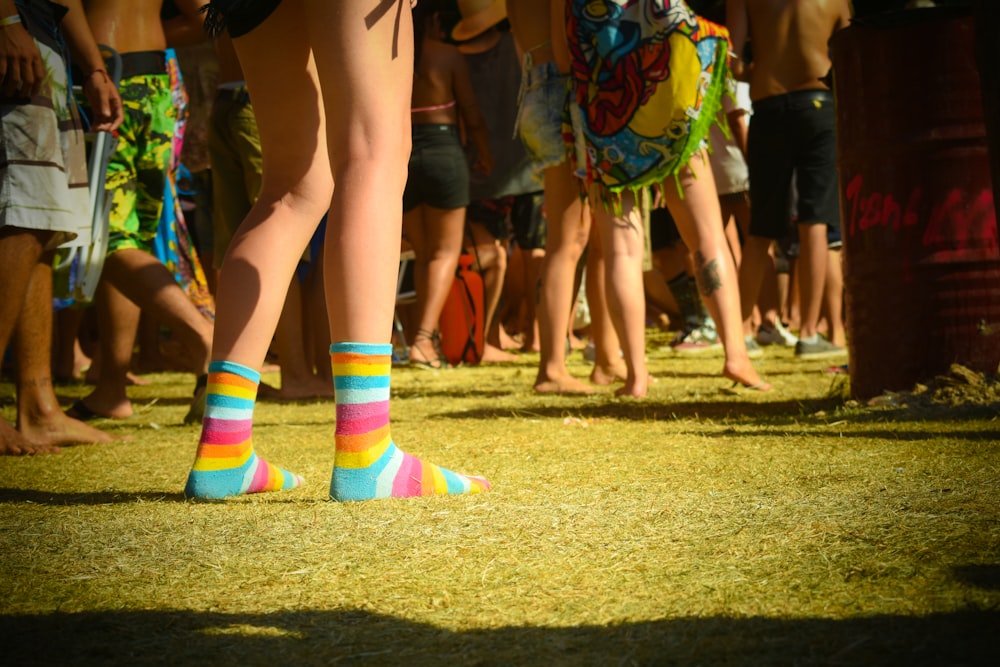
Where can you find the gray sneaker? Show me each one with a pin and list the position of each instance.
(754, 351)
(821, 349)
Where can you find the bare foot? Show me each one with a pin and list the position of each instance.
(745, 375)
(91, 407)
(635, 387)
(493, 354)
(56, 429)
(13, 443)
(508, 342)
(605, 375)
(564, 384)
(576, 343)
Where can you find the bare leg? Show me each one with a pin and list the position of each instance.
(567, 233)
(297, 378)
(699, 221)
(609, 366)
(436, 236)
(533, 261)
(20, 251)
(812, 275)
(622, 242)
(491, 261)
(39, 418)
(134, 279)
(833, 298)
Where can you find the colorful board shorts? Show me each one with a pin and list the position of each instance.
(137, 171)
(43, 175)
(648, 80)
(545, 93)
(237, 164)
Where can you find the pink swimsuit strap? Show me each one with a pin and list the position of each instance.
(436, 107)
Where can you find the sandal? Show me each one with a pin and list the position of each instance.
(436, 363)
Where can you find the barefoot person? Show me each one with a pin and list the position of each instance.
(133, 278)
(546, 90)
(646, 88)
(45, 201)
(331, 86)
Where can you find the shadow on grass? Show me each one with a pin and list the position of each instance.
(749, 412)
(966, 637)
(53, 498)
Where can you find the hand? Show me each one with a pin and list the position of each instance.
(21, 70)
(105, 102)
(484, 164)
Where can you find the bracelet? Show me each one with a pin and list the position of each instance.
(94, 71)
(10, 20)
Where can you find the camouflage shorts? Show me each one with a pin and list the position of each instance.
(137, 171)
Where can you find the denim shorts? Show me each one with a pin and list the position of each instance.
(546, 91)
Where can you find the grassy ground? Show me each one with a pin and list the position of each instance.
(692, 527)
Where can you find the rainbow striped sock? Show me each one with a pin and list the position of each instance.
(368, 464)
(226, 464)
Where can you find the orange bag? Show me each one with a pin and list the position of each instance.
(461, 325)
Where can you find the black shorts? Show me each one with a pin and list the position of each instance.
(238, 17)
(793, 133)
(517, 215)
(438, 175)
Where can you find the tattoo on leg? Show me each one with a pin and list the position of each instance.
(708, 274)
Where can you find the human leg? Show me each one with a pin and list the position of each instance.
(622, 243)
(261, 259)
(609, 366)
(369, 139)
(436, 236)
(20, 251)
(567, 234)
(39, 418)
(833, 297)
(491, 261)
(699, 221)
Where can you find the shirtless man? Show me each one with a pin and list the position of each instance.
(133, 277)
(793, 130)
(45, 202)
(547, 69)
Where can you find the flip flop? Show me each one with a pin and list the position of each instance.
(80, 412)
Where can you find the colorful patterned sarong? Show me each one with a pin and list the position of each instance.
(648, 79)
(173, 245)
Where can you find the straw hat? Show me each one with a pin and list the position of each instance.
(478, 16)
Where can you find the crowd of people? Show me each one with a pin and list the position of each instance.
(611, 157)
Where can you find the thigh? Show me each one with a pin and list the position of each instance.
(289, 111)
(363, 51)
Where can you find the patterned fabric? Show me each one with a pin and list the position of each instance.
(226, 464)
(173, 245)
(368, 464)
(137, 170)
(648, 78)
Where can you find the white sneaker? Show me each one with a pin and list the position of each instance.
(778, 335)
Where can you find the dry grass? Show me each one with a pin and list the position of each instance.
(694, 527)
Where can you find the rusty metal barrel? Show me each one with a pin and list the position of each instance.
(921, 251)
